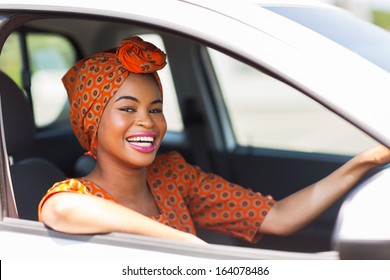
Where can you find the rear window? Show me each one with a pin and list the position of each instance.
(42, 59)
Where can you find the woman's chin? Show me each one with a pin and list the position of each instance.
(141, 159)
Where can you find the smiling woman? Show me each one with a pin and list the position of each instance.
(117, 115)
(245, 116)
(120, 121)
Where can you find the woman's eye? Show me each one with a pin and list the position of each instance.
(156, 111)
(127, 109)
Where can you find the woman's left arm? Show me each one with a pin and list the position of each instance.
(297, 210)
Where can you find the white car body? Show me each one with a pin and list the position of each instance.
(264, 39)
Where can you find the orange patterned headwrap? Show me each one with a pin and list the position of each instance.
(93, 81)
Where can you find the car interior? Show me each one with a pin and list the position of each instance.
(43, 154)
(30, 174)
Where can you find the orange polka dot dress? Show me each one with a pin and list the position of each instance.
(189, 198)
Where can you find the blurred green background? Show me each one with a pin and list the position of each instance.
(381, 18)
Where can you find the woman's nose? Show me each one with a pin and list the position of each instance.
(144, 119)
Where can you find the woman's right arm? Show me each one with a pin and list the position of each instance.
(83, 214)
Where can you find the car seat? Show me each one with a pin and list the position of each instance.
(31, 176)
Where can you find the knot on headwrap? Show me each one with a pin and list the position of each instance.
(139, 56)
(93, 81)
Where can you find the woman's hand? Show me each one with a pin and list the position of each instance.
(377, 156)
(306, 204)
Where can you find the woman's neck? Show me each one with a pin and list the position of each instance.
(125, 184)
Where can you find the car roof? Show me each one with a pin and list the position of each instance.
(341, 80)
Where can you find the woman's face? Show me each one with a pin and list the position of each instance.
(133, 124)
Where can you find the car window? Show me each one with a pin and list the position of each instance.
(44, 58)
(267, 113)
(11, 59)
(50, 56)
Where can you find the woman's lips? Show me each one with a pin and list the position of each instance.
(143, 141)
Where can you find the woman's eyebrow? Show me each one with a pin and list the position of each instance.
(156, 101)
(129, 98)
(132, 98)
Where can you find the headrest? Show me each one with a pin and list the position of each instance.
(18, 120)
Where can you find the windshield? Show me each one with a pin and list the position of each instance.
(367, 40)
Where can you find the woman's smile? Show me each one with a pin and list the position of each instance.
(143, 141)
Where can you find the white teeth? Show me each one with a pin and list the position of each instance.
(141, 139)
(142, 144)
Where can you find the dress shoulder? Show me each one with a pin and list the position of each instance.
(172, 156)
(68, 185)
